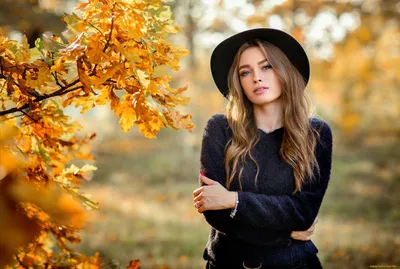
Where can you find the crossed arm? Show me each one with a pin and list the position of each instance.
(260, 212)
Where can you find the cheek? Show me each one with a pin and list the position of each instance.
(246, 83)
(276, 79)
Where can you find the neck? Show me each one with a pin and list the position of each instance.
(268, 117)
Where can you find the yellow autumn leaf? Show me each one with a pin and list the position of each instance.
(73, 169)
(179, 52)
(39, 75)
(172, 29)
(88, 168)
(85, 156)
(83, 76)
(23, 54)
(102, 76)
(103, 97)
(128, 115)
(65, 209)
(139, 104)
(24, 143)
(59, 66)
(143, 78)
(74, 22)
(165, 15)
(86, 103)
(74, 49)
(153, 88)
(95, 52)
(159, 71)
(115, 102)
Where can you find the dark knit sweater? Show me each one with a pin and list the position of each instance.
(268, 213)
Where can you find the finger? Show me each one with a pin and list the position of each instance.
(201, 209)
(207, 181)
(296, 236)
(197, 205)
(303, 234)
(310, 232)
(302, 238)
(198, 198)
(197, 191)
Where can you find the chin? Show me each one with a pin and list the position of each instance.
(262, 101)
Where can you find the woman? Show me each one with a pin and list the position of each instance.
(265, 163)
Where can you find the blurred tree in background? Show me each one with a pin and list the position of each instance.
(31, 18)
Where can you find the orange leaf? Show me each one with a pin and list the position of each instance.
(134, 264)
(83, 77)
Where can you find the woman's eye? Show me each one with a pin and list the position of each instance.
(266, 67)
(244, 73)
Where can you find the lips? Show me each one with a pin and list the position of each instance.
(259, 90)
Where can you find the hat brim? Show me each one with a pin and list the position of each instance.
(223, 55)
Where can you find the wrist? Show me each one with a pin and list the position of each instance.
(232, 199)
(234, 209)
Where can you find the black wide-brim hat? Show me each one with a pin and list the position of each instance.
(223, 55)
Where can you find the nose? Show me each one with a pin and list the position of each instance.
(256, 77)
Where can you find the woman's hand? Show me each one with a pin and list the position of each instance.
(304, 235)
(213, 196)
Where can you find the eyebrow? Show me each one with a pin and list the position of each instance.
(246, 65)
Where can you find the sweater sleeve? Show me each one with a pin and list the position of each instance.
(212, 165)
(290, 212)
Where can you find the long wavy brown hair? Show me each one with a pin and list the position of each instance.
(299, 141)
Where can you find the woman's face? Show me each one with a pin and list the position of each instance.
(258, 79)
